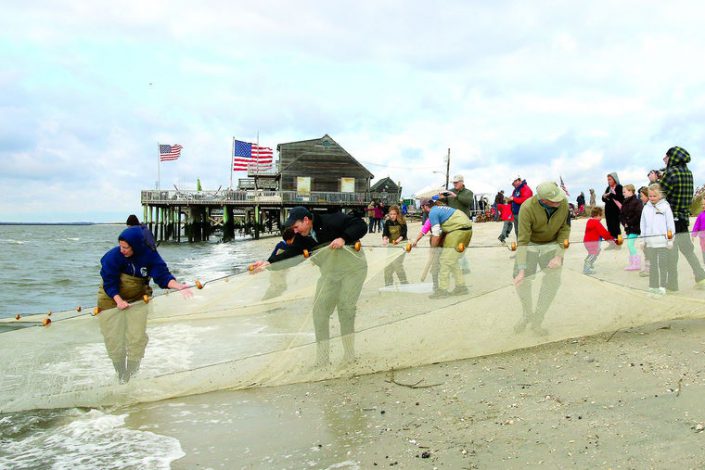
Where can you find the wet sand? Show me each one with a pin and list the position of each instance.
(632, 398)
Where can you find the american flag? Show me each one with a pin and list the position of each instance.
(169, 152)
(565, 190)
(247, 155)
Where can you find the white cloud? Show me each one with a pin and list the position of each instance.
(546, 89)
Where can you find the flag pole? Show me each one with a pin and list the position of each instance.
(232, 156)
(159, 166)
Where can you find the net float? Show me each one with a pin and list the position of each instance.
(358, 245)
(306, 253)
(566, 243)
(96, 311)
(251, 268)
(408, 247)
(514, 246)
(18, 316)
(669, 234)
(46, 322)
(619, 240)
(198, 284)
(78, 309)
(460, 248)
(145, 297)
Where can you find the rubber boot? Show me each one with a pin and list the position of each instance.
(634, 263)
(323, 353)
(349, 348)
(121, 370)
(132, 368)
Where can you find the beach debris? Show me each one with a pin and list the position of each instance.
(145, 297)
(698, 428)
(566, 243)
(357, 245)
(96, 311)
(18, 316)
(306, 253)
(393, 380)
(78, 309)
(408, 247)
(460, 248)
(198, 284)
(46, 322)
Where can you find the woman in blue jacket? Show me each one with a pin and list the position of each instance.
(126, 270)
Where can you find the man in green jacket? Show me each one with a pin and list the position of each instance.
(459, 197)
(544, 224)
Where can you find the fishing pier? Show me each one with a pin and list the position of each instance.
(318, 174)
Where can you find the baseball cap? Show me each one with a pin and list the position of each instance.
(297, 213)
(458, 179)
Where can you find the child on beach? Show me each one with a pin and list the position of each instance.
(656, 221)
(644, 197)
(277, 279)
(285, 243)
(699, 229)
(433, 261)
(594, 232)
(507, 216)
(395, 231)
(630, 216)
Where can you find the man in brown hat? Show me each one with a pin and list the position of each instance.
(544, 225)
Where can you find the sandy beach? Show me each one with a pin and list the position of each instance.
(628, 398)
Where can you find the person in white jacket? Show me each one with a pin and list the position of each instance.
(656, 222)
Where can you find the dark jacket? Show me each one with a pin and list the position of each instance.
(327, 227)
(611, 209)
(631, 215)
(677, 182)
(144, 263)
(394, 226)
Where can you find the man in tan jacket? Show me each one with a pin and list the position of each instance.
(544, 224)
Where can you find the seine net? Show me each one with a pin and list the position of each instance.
(334, 314)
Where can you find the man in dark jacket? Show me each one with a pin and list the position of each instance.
(677, 184)
(343, 271)
(521, 193)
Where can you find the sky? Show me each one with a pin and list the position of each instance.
(538, 89)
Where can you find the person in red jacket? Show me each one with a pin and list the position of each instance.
(594, 232)
(521, 193)
(507, 216)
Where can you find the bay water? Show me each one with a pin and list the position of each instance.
(56, 268)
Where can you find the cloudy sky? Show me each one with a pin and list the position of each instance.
(539, 89)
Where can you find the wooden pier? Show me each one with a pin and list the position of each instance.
(318, 174)
(196, 215)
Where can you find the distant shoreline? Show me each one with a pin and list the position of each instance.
(58, 223)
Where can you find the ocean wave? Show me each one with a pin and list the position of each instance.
(90, 440)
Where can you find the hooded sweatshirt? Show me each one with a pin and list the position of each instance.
(677, 182)
(143, 263)
(656, 221)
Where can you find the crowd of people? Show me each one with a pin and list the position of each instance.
(654, 220)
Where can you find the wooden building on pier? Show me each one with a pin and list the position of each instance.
(318, 173)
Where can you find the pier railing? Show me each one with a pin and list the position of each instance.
(233, 197)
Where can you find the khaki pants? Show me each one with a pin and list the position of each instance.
(457, 229)
(125, 331)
